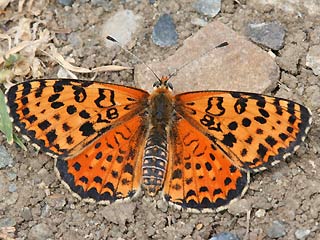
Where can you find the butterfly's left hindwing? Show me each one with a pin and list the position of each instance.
(110, 169)
(253, 130)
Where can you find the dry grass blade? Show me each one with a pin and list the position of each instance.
(69, 67)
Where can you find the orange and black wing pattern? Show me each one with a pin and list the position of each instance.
(92, 129)
(200, 176)
(219, 137)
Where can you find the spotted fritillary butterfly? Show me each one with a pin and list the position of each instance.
(109, 140)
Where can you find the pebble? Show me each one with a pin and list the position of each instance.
(26, 214)
(164, 33)
(11, 176)
(260, 213)
(276, 230)
(66, 2)
(162, 205)
(208, 7)
(5, 159)
(199, 22)
(122, 26)
(56, 201)
(313, 94)
(12, 187)
(270, 35)
(313, 59)
(239, 207)
(225, 236)
(302, 234)
(40, 231)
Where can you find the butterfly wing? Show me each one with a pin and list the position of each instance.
(218, 138)
(64, 116)
(254, 131)
(110, 168)
(91, 128)
(200, 176)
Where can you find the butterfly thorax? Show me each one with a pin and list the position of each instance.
(156, 149)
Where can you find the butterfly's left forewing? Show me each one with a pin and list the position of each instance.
(63, 116)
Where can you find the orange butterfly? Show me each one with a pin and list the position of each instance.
(199, 148)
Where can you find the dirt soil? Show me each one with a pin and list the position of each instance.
(38, 206)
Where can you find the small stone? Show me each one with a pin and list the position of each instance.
(164, 33)
(12, 199)
(239, 207)
(199, 22)
(302, 233)
(57, 201)
(5, 159)
(66, 2)
(313, 94)
(225, 236)
(12, 187)
(313, 59)
(276, 230)
(289, 58)
(122, 26)
(208, 7)
(162, 205)
(270, 35)
(11, 176)
(26, 214)
(260, 213)
(40, 231)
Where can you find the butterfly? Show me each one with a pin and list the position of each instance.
(112, 141)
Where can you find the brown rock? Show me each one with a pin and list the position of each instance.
(240, 66)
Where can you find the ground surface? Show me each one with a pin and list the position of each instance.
(285, 199)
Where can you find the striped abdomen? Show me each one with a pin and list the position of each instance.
(155, 161)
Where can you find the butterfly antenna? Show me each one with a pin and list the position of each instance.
(224, 44)
(130, 53)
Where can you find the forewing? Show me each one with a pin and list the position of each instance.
(110, 168)
(200, 177)
(63, 116)
(254, 131)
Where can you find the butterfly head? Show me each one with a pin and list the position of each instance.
(163, 84)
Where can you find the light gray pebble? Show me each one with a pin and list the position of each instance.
(302, 234)
(276, 230)
(208, 7)
(5, 159)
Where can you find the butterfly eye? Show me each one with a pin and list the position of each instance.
(156, 84)
(170, 86)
